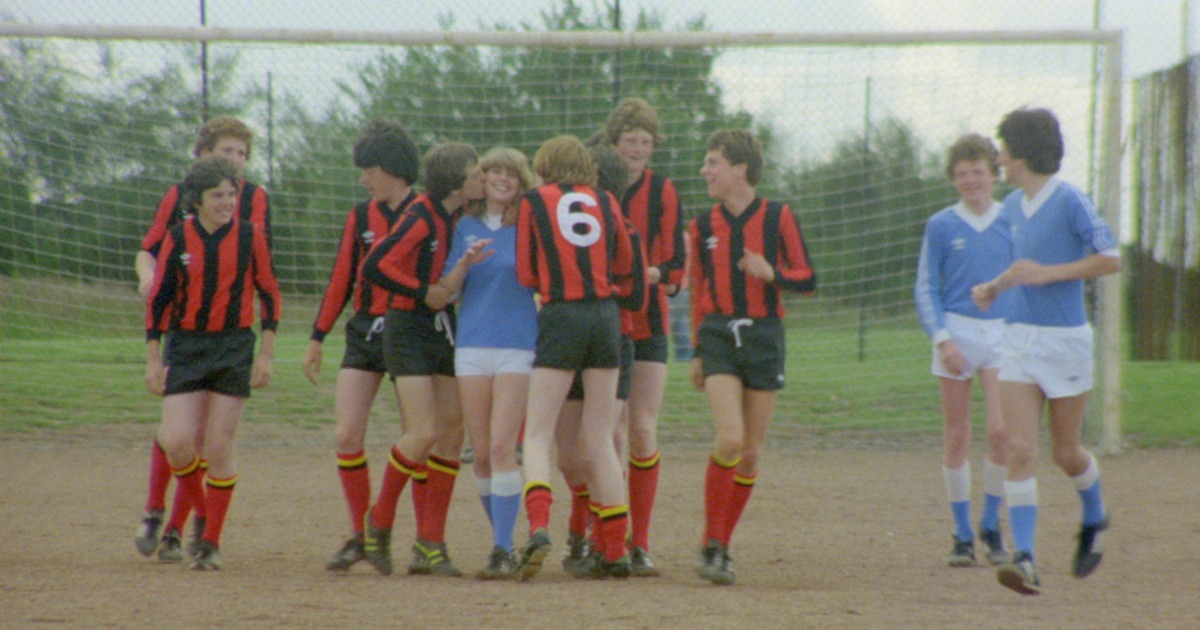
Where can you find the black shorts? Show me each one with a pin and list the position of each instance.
(653, 349)
(219, 362)
(364, 343)
(751, 349)
(623, 380)
(578, 335)
(419, 343)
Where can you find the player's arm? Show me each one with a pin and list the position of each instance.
(342, 279)
(671, 237)
(146, 259)
(793, 270)
(385, 263)
(527, 251)
(450, 284)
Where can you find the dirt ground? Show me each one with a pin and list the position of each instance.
(837, 535)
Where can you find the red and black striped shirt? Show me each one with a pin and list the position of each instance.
(253, 206)
(206, 282)
(413, 255)
(652, 205)
(571, 243)
(633, 292)
(718, 241)
(367, 222)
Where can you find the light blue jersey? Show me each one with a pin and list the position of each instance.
(960, 250)
(494, 310)
(1059, 225)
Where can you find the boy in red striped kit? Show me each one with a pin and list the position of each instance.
(208, 270)
(389, 161)
(745, 251)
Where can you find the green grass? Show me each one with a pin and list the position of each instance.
(90, 373)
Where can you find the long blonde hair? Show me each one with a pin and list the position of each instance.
(512, 161)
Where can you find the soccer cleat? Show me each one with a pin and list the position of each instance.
(148, 532)
(197, 535)
(348, 555)
(595, 567)
(430, 558)
(620, 568)
(996, 553)
(962, 555)
(499, 567)
(640, 564)
(1090, 549)
(1019, 574)
(377, 546)
(533, 554)
(577, 554)
(171, 548)
(716, 565)
(207, 557)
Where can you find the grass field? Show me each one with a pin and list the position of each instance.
(65, 383)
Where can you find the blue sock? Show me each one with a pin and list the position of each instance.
(962, 520)
(504, 513)
(1023, 519)
(991, 512)
(1092, 504)
(506, 505)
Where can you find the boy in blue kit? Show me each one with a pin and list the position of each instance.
(1058, 242)
(964, 245)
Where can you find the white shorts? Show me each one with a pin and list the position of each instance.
(492, 361)
(981, 342)
(1058, 360)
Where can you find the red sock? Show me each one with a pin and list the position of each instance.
(202, 509)
(160, 478)
(595, 532)
(182, 504)
(439, 489)
(742, 488)
(188, 478)
(643, 487)
(220, 492)
(356, 486)
(538, 498)
(580, 514)
(718, 487)
(614, 523)
(420, 480)
(395, 476)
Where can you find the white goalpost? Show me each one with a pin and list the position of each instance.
(856, 126)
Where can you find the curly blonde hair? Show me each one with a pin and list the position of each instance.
(564, 160)
(514, 162)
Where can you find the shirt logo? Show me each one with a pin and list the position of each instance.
(470, 240)
(368, 237)
(959, 244)
(185, 258)
(433, 245)
(711, 242)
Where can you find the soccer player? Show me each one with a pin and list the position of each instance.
(964, 245)
(231, 138)
(389, 161)
(572, 247)
(418, 348)
(650, 202)
(202, 294)
(584, 555)
(746, 250)
(493, 354)
(1058, 242)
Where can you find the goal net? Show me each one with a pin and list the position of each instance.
(99, 123)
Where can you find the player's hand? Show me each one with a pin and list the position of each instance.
(156, 377)
(437, 297)
(951, 358)
(1026, 271)
(476, 254)
(144, 287)
(653, 275)
(984, 294)
(698, 374)
(755, 265)
(312, 361)
(261, 374)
